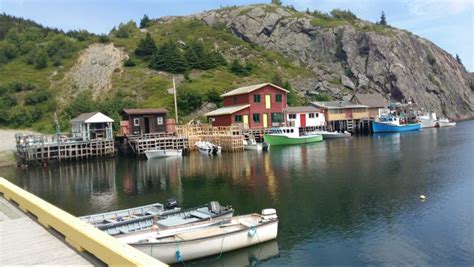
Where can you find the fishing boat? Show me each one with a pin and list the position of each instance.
(163, 153)
(290, 136)
(139, 219)
(197, 240)
(444, 122)
(333, 135)
(208, 148)
(392, 124)
(427, 120)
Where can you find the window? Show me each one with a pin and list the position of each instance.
(317, 115)
(136, 122)
(234, 99)
(277, 117)
(238, 118)
(278, 97)
(159, 120)
(256, 117)
(256, 98)
(311, 115)
(335, 111)
(292, 116)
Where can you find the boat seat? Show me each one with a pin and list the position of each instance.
(173, 221)
(200, 214)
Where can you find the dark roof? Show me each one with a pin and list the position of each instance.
(302, 109)
(371, 100)
(336, 104)
(139, 111)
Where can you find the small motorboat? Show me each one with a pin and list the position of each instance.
(163, 153)
(142, 218)
(427, 120)
(444, 122)
(197, 240)
(393, 124)
(252, 144)
(208, 148)
(333, 135)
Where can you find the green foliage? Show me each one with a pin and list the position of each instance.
(169, 58)
(129, 63)
(458, 59)
(144, 22)
(126, 30)
(8, 51)
(431, 59)
(8, 22)
(189, 100)
(383, 20)
(146, 47)
(41, 59)
(80, 35)
(240, 70)
(104, 39)
(276, 2)
(60, 47)
(322, 97)
(343, 15)
(214, 97)
(37, 96)
(199, 57)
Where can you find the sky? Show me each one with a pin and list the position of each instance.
(447, 23)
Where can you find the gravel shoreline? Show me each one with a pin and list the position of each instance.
(8, 146)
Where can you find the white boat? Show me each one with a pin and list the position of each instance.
(163, 153)
(444, 122)
(251, 144)
(184, 243)
(208, 148)
(333, 135)
(427, 120)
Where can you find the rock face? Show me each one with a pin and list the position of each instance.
(95, 66)
(357, 57)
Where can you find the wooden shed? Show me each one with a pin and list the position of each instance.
(143, 121)
(90, 126)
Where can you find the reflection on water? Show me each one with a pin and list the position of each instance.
(347, 201)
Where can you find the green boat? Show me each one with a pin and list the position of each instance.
(290, 136)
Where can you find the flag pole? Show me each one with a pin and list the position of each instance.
(175, 102)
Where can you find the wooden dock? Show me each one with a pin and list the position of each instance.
(142, 143)
(24, 242)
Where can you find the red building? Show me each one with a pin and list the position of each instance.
(254, 106)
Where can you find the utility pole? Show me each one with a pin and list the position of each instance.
(175, 102)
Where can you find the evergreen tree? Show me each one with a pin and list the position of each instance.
(458, 59)
(169, 58)
(145, 22)
(383, 21)
(41, 60)
(146, 47)
(277, 2)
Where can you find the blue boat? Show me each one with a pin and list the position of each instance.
(392, 124)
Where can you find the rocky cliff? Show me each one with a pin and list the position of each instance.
(355, 56)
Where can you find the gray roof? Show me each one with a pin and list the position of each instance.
(251, 88)
(336, 104)
(226, 110)
(301, 109)
(371, 100)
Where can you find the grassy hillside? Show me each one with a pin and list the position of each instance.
(34, 62)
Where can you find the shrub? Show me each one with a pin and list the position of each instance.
(146, 47)
(37, 96)
(41, 59)
(129, 63)
(343, 14)
(169, 58)
(103, 38)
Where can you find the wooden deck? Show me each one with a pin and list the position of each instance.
(25, 242)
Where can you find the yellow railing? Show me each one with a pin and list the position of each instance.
(79, 234)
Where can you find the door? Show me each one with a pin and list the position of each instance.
(302, 120)
(147, 125)
(246, 121)
(268, 101)
(265, 120)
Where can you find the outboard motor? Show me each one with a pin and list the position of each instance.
(171, 203)
(214, 207)
(265, 146)
(215, 149)
(269, 215)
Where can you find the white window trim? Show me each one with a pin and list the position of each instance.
(136, 121)
(159, 120)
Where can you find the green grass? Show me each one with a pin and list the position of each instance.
(328, 23)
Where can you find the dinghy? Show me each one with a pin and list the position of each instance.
(208, 148)
(197, 240)
(163, 153)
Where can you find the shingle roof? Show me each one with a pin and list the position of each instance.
(371, 100)
(251, 88)
(91, 117)
(336, 104)
(138, 111)
(226, 110)
(302, 109)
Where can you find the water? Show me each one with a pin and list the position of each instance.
(353, 201)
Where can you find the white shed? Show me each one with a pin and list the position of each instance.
(90, 126)
(304, 116)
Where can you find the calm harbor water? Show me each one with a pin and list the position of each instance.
(353, 201)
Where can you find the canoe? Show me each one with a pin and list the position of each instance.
(163, 153)
(184, 243)
(378, 127)
(210, 211)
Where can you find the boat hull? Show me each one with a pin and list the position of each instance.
(161, 153)
(427, 123)
(333, 135)
(202, 247)
(275, 140)
(378, 127)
